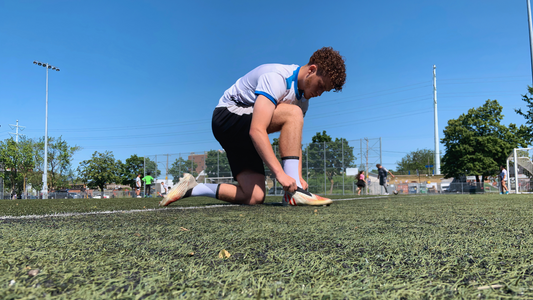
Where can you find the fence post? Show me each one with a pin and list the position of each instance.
(343, 170)
(515, 171)
(275, 180)
(325, 177)
(144, 170)
(307, 166)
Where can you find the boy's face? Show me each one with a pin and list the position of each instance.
(315, 85)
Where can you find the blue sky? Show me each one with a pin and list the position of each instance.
(143, 77)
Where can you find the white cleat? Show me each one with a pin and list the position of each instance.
(178, 191)
(303, 197)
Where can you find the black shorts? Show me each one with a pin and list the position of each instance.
(232, 131)
(361, 184)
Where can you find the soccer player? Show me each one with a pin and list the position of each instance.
(148, 184)
(382, 176)
(138, 185)
(270, 98)
(503, 178)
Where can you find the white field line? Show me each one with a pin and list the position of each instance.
(108, 212)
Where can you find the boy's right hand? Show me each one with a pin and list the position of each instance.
(288, 183)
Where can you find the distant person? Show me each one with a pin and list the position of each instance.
(503, 178)
(164, 189)
(382, 176)
(148, 183)
(82, 191)
(138, 185)
(361, 182)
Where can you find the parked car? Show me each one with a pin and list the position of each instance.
(99, 196)
(73, 196)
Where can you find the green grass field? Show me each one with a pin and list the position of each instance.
(397, 247)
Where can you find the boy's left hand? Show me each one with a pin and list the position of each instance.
(304, 184)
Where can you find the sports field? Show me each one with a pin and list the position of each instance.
(396, 247)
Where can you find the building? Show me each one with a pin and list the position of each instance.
(199, 159)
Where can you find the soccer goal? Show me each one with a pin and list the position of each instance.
(520, 171)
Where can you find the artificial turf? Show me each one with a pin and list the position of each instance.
(446, 246)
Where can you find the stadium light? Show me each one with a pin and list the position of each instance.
(45, 169)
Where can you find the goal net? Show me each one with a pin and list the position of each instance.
(520, 170)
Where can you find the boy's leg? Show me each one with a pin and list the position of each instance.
(251, 189)
(288, 120)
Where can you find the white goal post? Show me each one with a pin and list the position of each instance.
(522, 170)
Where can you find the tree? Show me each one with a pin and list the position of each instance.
(217, 164)
(59, 161)
(180, 166)
(130, 168)
(416, 160)
(18, 162)
(338, 156)
(151, 167)
(100, 170)
(477, 144)
(35, 178)
(528, 115)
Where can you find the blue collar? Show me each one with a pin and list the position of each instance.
(294, 77)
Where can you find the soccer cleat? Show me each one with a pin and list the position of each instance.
(507, 192)
(303, 197)
(186, 183)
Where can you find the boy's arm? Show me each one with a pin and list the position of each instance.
(391, 174)
(261, 118)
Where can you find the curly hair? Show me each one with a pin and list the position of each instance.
(330, 64)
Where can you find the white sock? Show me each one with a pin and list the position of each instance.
(291, 167)
(205, 190)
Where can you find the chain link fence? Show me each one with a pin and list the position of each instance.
(328, 167)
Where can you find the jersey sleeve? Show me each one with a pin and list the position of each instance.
(272, 86)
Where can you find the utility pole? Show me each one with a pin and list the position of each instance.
(166, 172)
(17, 130)
(437, 154)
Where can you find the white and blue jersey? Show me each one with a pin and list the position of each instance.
(277, 82)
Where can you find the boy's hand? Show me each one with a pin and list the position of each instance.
(288, 183)
(304, 184)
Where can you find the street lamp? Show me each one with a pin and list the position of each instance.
(45, 174)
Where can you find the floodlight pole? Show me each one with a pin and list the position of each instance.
(530, 33)
(45, 168)
(45, 174)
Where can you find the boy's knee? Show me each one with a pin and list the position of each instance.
(258, 197)
(296, 112)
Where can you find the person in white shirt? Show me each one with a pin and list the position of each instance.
(164, 189)
(503, 178)
(270, 98)
(138, 185)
